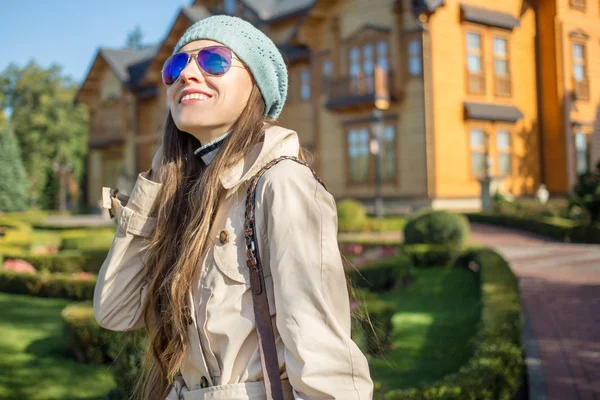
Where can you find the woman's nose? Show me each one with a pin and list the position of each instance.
(192, 73)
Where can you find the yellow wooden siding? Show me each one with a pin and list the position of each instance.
(452, 150)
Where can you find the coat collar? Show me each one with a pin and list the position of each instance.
(277, 142)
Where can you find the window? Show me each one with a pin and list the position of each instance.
(382, 55)
(414, 57)
(358, 155)
(504, 154)
(583, 155)
(361, 160)
(476, 80)
(305, 84)
(361, 66)
(578, 4)
(230, 7)
(388, 153)
(501, 67)
(580, 81)
(326, 74)
(477, 144)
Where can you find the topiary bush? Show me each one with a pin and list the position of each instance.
(437, 227)
(352, 216)
(432, 255)
(84, 338)
(587, 194)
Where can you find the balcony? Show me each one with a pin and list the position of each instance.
(352, 92)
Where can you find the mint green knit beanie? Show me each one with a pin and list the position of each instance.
(253, 47)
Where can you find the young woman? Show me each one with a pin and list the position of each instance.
(177, 264)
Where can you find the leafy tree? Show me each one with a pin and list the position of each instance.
(586, 194)
(13, 181)
(48, 125)
(135, 39)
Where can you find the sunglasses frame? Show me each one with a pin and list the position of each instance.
(195, 57)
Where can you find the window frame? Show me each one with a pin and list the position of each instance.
(480, 150)
(232, 3)
(361, 83)
(370, 181)
(497, 78)
(580, 132)
(410, 56)
(470, 29)
(581, 89)
(498, 128)
(302, 72)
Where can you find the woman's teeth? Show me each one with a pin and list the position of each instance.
(195, 96)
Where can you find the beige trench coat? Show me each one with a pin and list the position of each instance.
(296, 223)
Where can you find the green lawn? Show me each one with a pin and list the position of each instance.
(436, 316)
(32, 360)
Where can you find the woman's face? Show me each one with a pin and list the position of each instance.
(222, 98)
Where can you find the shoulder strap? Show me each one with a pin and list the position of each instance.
(266, 337)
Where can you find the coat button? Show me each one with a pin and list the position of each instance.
(224, 236)
(203, 382)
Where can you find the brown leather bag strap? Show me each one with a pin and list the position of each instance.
(266, 337)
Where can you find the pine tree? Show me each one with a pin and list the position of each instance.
(13, 180)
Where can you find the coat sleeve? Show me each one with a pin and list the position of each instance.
(299, 229)
(119, 291)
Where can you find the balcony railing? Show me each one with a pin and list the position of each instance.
(360, 90)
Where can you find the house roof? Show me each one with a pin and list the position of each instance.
(195, 13)
(128, 65)
(268, 10)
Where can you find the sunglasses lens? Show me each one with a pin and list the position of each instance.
(215, 60)
(173, 67)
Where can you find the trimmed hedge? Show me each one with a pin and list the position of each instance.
(557, 228)
(496, 369)
(47, 285)
(437, 227)
(372, 322)
(351, 216)
(85, 340)
(85, 239)
(382, 275)
(431, 255)
(68, 261)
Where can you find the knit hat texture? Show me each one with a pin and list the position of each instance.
(253, 47)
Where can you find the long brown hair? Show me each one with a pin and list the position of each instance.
(184, 208)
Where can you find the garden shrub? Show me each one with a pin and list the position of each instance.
(586, 194)
(437, 227)
(431, 255)
(84, 338)
(48, 285)
(372, 322)
(89, 343)
(381, 275)
(351, 216)
(66, 261)
(17, 238)
(85, 239)
(496, 369)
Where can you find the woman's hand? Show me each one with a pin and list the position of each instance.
(154, 173)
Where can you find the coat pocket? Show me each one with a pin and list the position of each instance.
(230, 253)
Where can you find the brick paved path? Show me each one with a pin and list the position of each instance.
(560, 292)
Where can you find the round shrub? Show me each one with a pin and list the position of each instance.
(352, 216)
(437, 227)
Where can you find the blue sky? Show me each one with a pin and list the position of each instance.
(69, 32)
